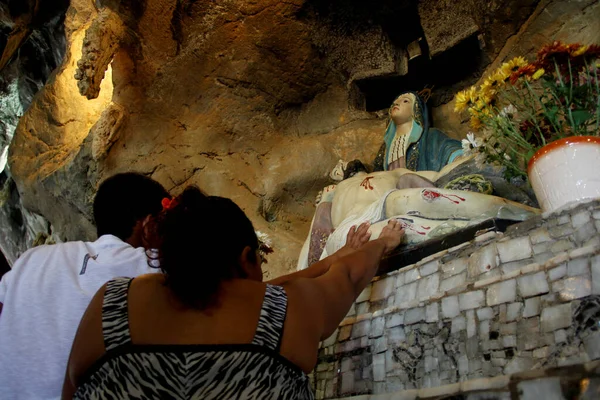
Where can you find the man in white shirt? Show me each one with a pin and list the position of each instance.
(48, 289)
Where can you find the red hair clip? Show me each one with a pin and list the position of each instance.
(168, 204)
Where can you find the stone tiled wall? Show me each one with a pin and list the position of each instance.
(581, 382)
(501, 304)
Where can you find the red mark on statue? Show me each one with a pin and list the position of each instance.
(432, 195)
(410, 227)
(366, 183)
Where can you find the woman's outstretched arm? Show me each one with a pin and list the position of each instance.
(329, 296)
(357, 237)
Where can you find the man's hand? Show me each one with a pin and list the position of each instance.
(392, 235)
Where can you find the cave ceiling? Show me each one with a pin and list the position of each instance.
(253, 100)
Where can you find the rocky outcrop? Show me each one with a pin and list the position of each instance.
(20, 229)
(32, 35)
(102, 40)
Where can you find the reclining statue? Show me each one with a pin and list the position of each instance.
(413, 159)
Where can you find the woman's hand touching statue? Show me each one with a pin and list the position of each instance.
(392, 235)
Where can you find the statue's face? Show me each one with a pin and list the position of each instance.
(402, 109)
(337, 174)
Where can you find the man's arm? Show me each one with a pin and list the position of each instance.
(4, 287)
(8, 278)
(355, 239)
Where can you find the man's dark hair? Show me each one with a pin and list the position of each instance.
(124, 199)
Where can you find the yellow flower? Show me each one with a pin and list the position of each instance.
(580, 51)
(538, 74)
(513, 65)
(486, 111)
(461, 101)
(488, 93)
(492, 83)
(465, 99)
(475, 122)
(486, 97)
(480, 109)
(501, 75)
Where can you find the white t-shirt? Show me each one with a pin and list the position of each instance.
(44, 297)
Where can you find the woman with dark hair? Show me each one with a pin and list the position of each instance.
(209, 328)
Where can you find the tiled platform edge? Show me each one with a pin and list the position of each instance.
(580, 382)
(501, 304)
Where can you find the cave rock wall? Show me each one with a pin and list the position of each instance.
(255, 101)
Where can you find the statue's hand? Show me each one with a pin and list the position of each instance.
(392, 235)
(318, 199)
(358, 236)
(325, 195)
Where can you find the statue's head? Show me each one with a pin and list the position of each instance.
(337, 174)
(353, 168)
(406, 108)
(344, 170)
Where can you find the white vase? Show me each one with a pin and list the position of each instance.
(565, 171)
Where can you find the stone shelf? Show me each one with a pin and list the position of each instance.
(500, 304)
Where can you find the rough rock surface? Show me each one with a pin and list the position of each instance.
(32, 35)
(248, 100)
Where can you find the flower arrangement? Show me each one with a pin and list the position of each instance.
(524, 105)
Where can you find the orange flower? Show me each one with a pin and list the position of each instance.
(573, 48)
(593, 50)
(565, 56)
(551, 49)
(526, 70)
(556, 51)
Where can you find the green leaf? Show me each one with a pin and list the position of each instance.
(581, 116)
(529, 154)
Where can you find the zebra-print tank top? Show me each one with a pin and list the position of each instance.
(246, 371)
